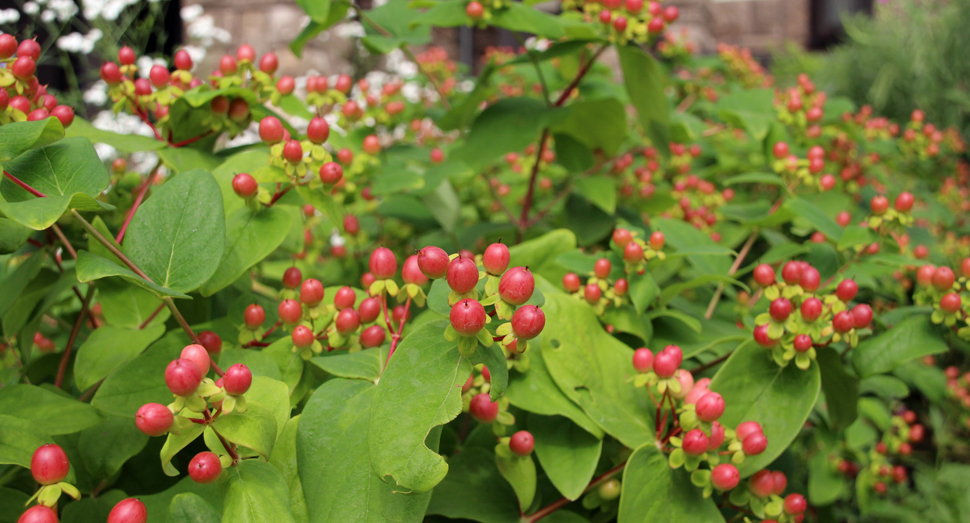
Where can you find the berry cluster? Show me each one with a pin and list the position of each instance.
(896, 443)
(629, 20)
(22, 98)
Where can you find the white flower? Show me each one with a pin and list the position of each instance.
(97, 94)
(78, 43)
(350, 30)
(190, 13)
(31, 8)
(411, 91)
(65, 9)
(196, 52)
(336, 240)
(8, 16)
(203, 29)
(397, 62)
(247, 137)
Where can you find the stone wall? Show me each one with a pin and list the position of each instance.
(270, 25)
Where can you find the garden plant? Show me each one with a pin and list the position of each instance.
(557, 290)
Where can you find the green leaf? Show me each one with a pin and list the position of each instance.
(191, 508)
(19, 438)
(68, 172)
(672, 291)
(625, 319)
(249, 239)
(597, 124)
(592, 369)
(106, 446)
(929, 380)
(126, 143)
(589, 223)
(888, 387)
(256, 492)
(158, 504)
(572, 154)
(405, 410)
(12, 503)
(444, 205)
(475, 490)
(17, 137)
(254, 429)
(88, 510)
(12, 235)
(285, 460)
(127, 305)
(494, 359)
(290, 363)
(825, 484)
(854, 235)
(91, 267)
(520, 472)
(399, 20)
(274, 396)
(14, 284)
(259, 363)
(444, 14)
(599, 190)
(755, 388)
(644, 81)
(322, 202)
(643, 291)
(762, 178)
(841, 389)
(523, 18)
(363, 365)
(175, 443)
(911, 338)
(567, 453)
(750, 109)
(540, 254)
(108, 348)
(140, 381)
(178, 234)
(49, 411)
(318, 10)
(333, 459)
(816, 217)
(505, 126)
(684, 237)
(652, 491)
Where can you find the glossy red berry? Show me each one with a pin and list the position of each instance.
(621, 287)
(846, 290)
(183, 376)
(483, 409)
(159, 76)
(943, 278)
(695, 442)
(521, 443)
(950, 302)
(528, 322)
(285, 85)
(8, 46)
(764, 275)
(111, 73)
(383, 263)
(369, 310)
(154, 419)
(657, 240)
(474, 10)
(517, 285)
(780, 150)
(762, 484)
(293, 151)
(318, 130)
(725, 476)
(348, 320)
(244, 185)
(254, 316)
(496, 259)
(467, 317)
(38, 514)
(795, 504)
(747, 428)
(780, 309)
(709, 407)
(632, 253)
(667, 361)
(198, 355)
(311, 292)
(129, 510)
(290, 312)
(622, 237)
(182, 60)
(292, 278)
(462, 275)
(602, 268)
(37, 114)
(49, 464)
(811, 309)
(372, 336)
(802, 342)
(269, 63)
(205, 467)
(811, 279)
(372, 145)
(344, 83)
(237, 380)
(754, 444)
(271, 130)
(411, 271)
(23, 67)
(570, 282)
(716, 437)
(861, 316)
(761, 336)
(792, 272)
(904, 202)
(879, 204)
(843, 322)
(345, 297)
(643, 360)
(437, 156)
(592, 293)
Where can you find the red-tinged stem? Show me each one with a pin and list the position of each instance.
(396, 337)
(151, 317)
(67, 245)
(672, 433)
(579, 76)
(527, 204)
(62, 368)
(144, 117)
(663, 422)
(24, 186)
(88, 394)
(138, 199)
(35, 243)
(659, 408)
(711, 363)
(230, 448)
(183, 143)
(734, 268)
(565, 501)
(279, 194)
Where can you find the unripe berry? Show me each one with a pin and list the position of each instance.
(528, 322)
(570, 282)
(843, 322)
(861, 316)
(318, 130)
(290, 312)
(462, 275)
(610, 490)
(795, 504)
(950, 302)
(433, 262)
(764, 275)
(695, 442)
(254, 316)
(468, 317)
(521, 443)
(38, 514)
(709, 407)
(602, 268)
(657, 241)
(517, 285)
(347, 321)
(198, 355)
(846, 290)
(383, 263)
(725, 476)
(592, 293)
(237, 380)
(128, 510)
(754, 444)
(311, 292)
(780, 309)
(49, 464)
(643, 360)
(496, 258)
(879, 204)
(244, 185)
(205, 467)
(270, 130)
(943, 278)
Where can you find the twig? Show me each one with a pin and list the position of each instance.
(552, 203)
(138, 200)
(62, 368)
(23, 185)
(396, 337)
(183, 143)
(565, 501)
(502, 205)
(711, 363)
(688, 100)
(90, 392)
(579, 76)
(67, 244)
(527, 204)
(734, 268)
(151, 317)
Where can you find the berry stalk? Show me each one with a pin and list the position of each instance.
(138, 199)
(62, 368)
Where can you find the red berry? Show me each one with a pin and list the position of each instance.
(8, 46)
(716, 437)
(521, 443)
(656, 25)
(318, 130)
(111, 73)
(846, 290)
(843, 218)
(811, 279)
(398, 315)
(709, 407)
(154, 419)
(285, 85)
(764, 275)
(761, 336)
(271, 130)
(269, 63)
(754, 444)
(467, 317)
(293, 151)
(345, 297)
(205, 467)
(632, 253)
(592, 293)
(383, 263)
(211, 341)
(128, 510)
(904, 202)
(372, 336)
(921, 252)
(244, 185)
(695, 442)
(780, 309)
(367, 279)
(602, 268)
(747, 428)
(344, 83)
(246, 53)
(792, 272)
(621, 287)
(916, 433)
(63, 113)
(198, 355)
(437, 156)
(482, 409)
(843, 322)
(671, 13)
(950, 302)
(811, 309)
(657, 241)
(780, 150)
(290, 312)
(570, 282)
(463, 275)
(474, 10)
(345, 156)
(517, 285)
(238, 110)
(433, 262)
(369, 310)
(943, 278)
(667, 361)
(292, 278)
(496, 258)
(347, 321)
(159, 76)
(802, 342)
(725, 476)
(528, 321)
(227, 65)
(254, 316)
(372, 145)
(237, 380)
(621, 237)
(861, 316)
(411, 272)
(762, 484)
(311, 292)
(643, 360)
(182, 60)
(24, 67)
(37, 114)
(879, 204)
(302, 337)
(49, 464)
(331, 173)
(38, 514)
(795, 504)
(182, 377)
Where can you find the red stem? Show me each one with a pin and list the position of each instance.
(151, 317)
(545, 511)
(62, 368)
(396, 337)
(183, 143)
(279, 194)
(138, 200)
(23, 185)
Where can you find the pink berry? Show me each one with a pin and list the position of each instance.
(237, 380)
(244, 185)
(302, 337)
(38, 514)
(128, 510)
(795, 504)
(246, 53)
(182, 377)
(311, 292)
(198, 355)
(433, 262)
(483, 409)
(270, 130)
(369, 310)
(521, 443)
(462, 275)
(762, 484)
(517, 285)
(717, 436)
(345, 297)
(846, 290)
(602, 268)
(269, 63)
(154, 419)
(695, 442)
(725, 476)
(254, 316)
(754, 444)
(667, 361)
(411, 272)
(843, 322)
(290, 312)
(861, 316)
(528, 321)
(49, 464)
(764, 275)
(468, 317)
(780, 309)
(347, 321)
(383, 263)
(709, 407)
(318, 130)
(643, 360)
(496, 259)
(205, 467)
(372, 336)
